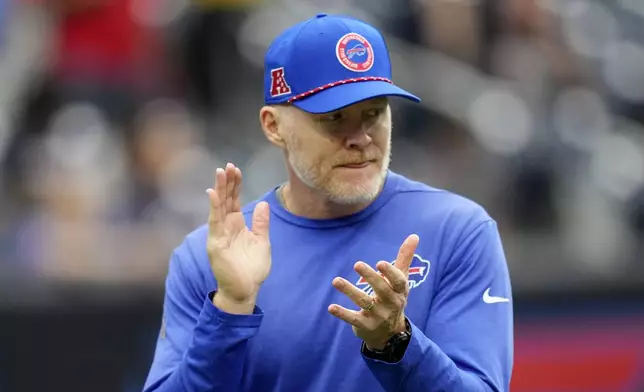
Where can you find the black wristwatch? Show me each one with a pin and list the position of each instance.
(394, 350)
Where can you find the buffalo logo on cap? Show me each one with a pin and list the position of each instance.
(354, 52)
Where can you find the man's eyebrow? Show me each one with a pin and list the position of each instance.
(379, 100)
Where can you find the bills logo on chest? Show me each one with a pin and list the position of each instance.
(418, 271)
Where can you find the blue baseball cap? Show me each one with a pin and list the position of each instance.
(328, 62)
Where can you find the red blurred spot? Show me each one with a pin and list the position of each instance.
(608, 372)
(571, 358)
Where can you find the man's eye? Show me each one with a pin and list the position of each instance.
(332, 117)
(375, 112)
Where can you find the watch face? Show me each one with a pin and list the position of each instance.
(398, 345)
(402, 336)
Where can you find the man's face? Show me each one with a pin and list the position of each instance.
(343, 154)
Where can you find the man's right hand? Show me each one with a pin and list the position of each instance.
(240, 258)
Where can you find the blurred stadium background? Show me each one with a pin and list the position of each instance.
(114, 114)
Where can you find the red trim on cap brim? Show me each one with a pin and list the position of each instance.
(340, 82)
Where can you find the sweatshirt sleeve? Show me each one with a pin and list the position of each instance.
(467, 345)
(199, 347)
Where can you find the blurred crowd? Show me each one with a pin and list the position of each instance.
(114, 115)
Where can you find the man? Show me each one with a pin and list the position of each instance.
(253, 306)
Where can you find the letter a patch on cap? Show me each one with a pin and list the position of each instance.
(278, 83)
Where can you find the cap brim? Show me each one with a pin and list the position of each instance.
(343, 95)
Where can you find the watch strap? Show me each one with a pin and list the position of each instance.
(395, 348)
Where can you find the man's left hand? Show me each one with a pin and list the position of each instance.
(382, 315)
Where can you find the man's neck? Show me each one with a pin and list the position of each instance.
(302, 201)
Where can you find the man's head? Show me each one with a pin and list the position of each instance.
(326, 85)
(344, 154)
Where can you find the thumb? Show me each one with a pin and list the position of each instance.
(261, 215)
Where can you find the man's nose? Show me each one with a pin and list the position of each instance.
(358, 140)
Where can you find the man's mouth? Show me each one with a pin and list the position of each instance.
(358, 165)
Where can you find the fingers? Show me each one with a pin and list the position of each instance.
(260, 221)
(217, 205)
(350, 316)
(237, 190)
(225, 199)
(356, 295)
(406, 254)
(230, 186)
(377, 282)
(220, 189)
(396, 278)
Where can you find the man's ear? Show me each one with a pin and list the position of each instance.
(269, 118)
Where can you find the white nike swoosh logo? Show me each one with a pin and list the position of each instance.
(488, 299)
